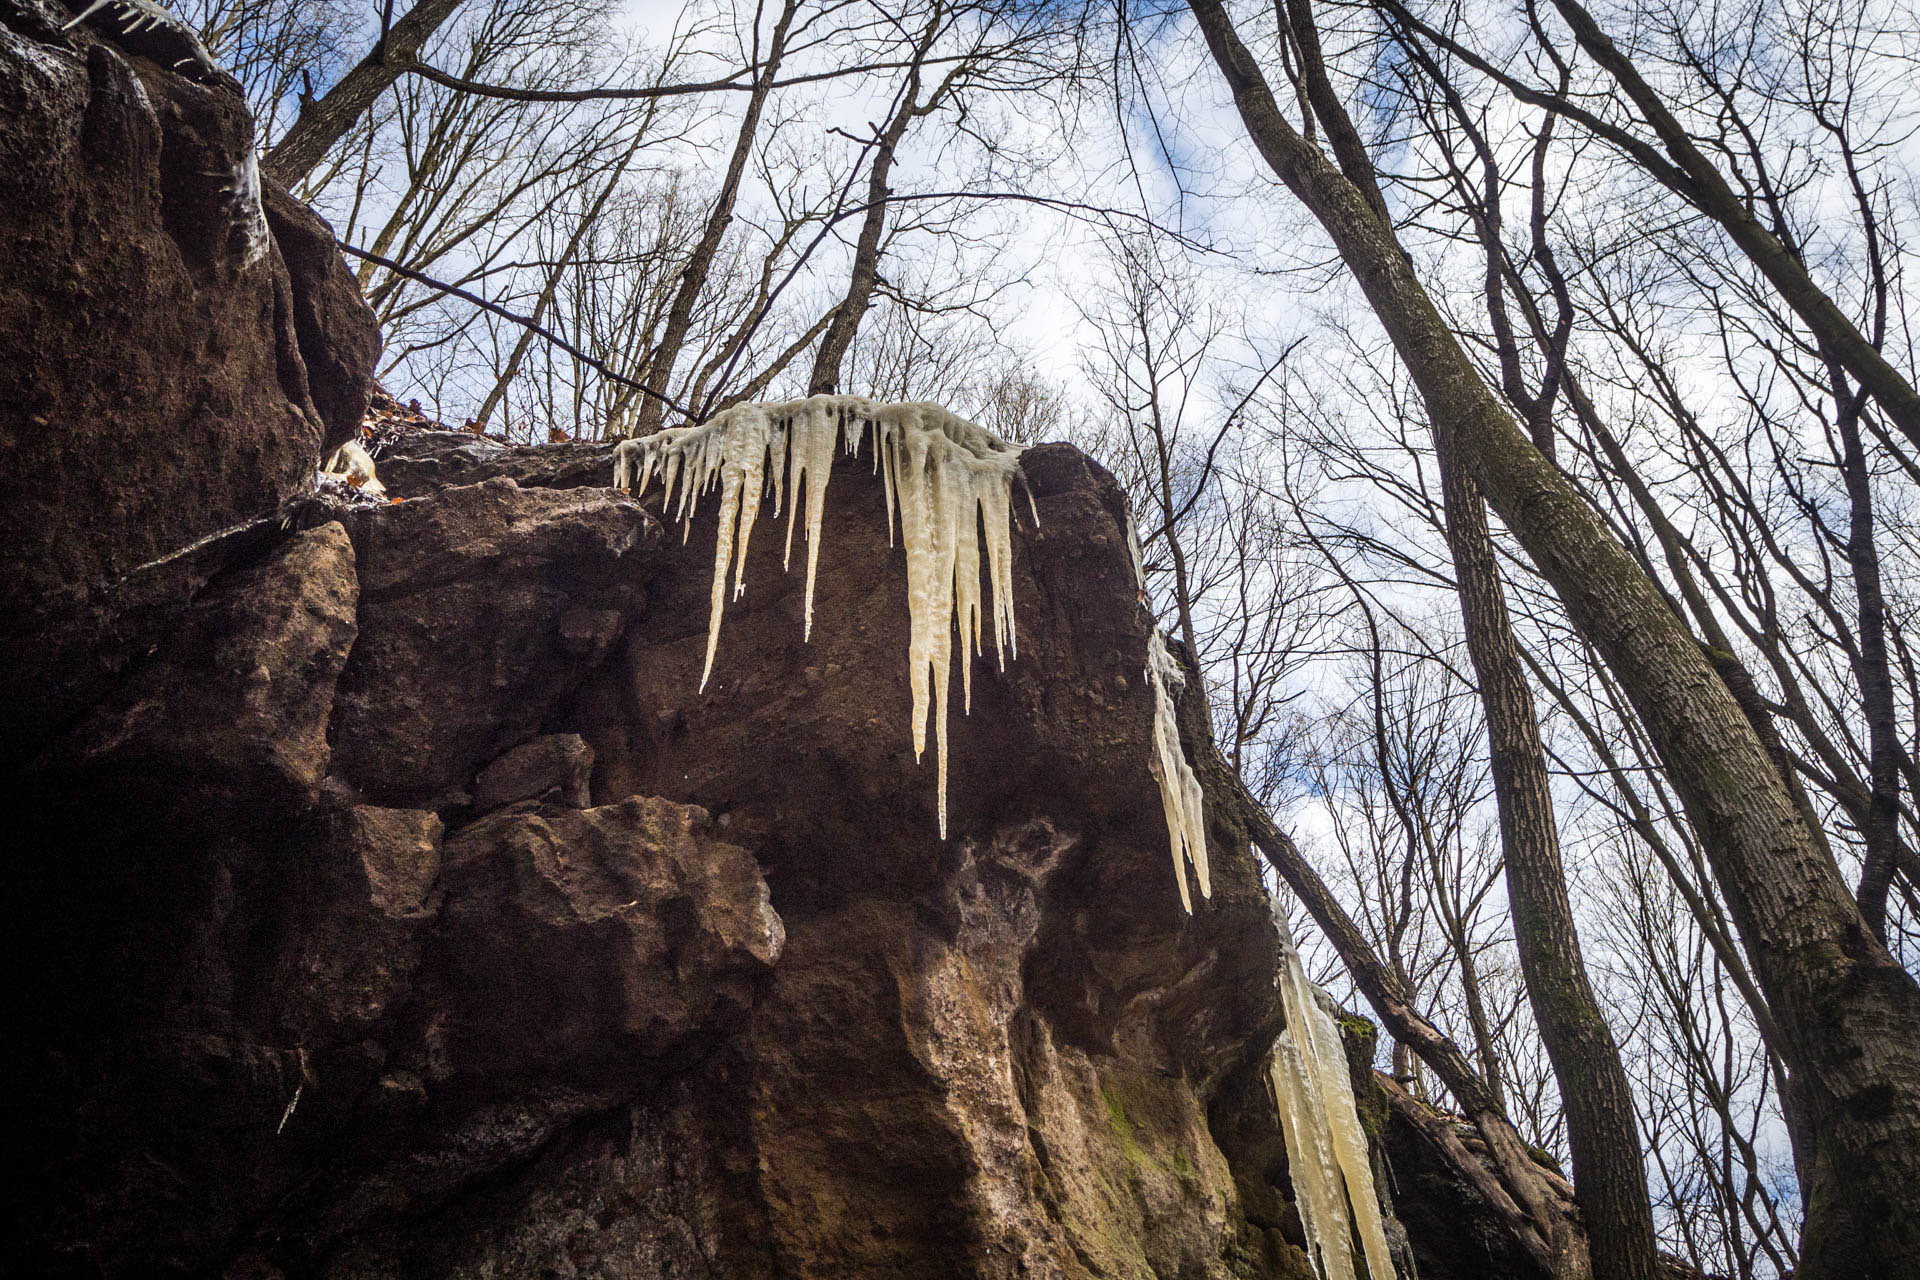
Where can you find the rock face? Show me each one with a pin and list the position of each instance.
(174, 354)
(411, 911)
(742, 1014)
(390, 900)
(556, 766)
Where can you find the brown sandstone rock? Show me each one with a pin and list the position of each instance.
(230, 715)
(557, 763)
(689, 984)
(575, 942)
(339, 343)
(803, 1036)
(165, 369)
(461, 652)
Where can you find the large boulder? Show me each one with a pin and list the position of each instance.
(172, 358)
(232, 708)
(538, 957)
(487, 606)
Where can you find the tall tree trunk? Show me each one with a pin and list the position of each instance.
(1881, 831)
(1850, 1016)
(693, 277)
(324, 121)
(866, 250)
(1609, 1176)
(825, 377)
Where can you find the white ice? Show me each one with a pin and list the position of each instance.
(1180, 794)
(354, 464)
(1326, 1146)
(943, 476)
(245, 193)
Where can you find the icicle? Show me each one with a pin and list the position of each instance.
(945, 477)
(352, 462)
(810, 446)
(1134, 553)
(1180, 792)
(1326, 1147)
(88, 12)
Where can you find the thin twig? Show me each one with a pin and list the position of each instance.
(598, 366)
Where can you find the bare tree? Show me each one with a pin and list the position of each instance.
(1850, 1016)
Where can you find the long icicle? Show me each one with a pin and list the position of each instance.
(1180, 794)
(950, 485)
(1327, 1155)
(946, 478)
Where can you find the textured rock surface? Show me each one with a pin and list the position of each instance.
(557, 766)
(233, 708)
(391, 901)
(788, 1031)
(339, 343)
(165, 370)
(311, 1004)
(464, 648)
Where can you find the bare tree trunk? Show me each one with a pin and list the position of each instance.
(693, 277)
(324, 121)
(1881, 830)
(1609, 1177)
(866, 250)
(1850, 1016)
(866, 253)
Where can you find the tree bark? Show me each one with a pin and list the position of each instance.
(1881, 830)
(1850, 1016)
(866, 251)
(825, 377)
(324, 121)
(1609, 1176)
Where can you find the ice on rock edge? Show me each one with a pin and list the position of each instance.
(942, 475)
(353, 465)
(1326, 1146)
(1180, 793)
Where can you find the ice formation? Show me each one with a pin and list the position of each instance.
(1326, 1147)
(352, 463)
(940, 473)
(145, 28)
(943, 476)
(1180, 793)
(247, 210)
(1179, 789)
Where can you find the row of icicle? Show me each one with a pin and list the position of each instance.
(943, 476)
(941, 473)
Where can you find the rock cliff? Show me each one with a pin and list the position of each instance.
(178, 341)
(391, 901)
